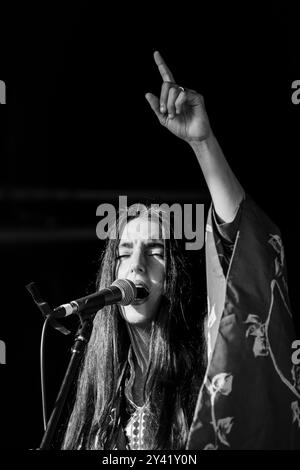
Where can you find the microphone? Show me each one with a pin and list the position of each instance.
(122, 291)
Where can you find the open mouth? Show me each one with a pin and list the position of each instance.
(142, 293)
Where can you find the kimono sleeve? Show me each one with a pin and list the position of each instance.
(250, 396)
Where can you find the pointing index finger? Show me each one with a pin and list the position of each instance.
(163, 68)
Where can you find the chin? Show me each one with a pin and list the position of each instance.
(136, 316)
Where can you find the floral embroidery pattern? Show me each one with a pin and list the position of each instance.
(296, 412)
(210, 447)
(258, 330)
(263, 308)
(223, 428)
(261, 346)
(296, 376)
(276, 243)
(222, 384)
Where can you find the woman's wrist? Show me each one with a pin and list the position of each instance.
(203, 146)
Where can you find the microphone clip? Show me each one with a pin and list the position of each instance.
(44, 308)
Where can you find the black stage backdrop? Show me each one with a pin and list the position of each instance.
(77, 132)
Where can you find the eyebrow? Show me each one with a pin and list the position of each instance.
(150, 244)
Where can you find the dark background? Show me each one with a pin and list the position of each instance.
(77, 132)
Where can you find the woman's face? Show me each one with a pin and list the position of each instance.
(141, 259)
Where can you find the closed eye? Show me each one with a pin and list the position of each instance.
(156, 253)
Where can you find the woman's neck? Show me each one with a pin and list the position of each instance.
(140, 341)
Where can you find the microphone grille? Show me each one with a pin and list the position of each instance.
(128, 290)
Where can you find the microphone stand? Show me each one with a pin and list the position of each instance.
(82, 337)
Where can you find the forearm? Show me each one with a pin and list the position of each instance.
(226, 191)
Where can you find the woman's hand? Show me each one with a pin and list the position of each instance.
(183, 113)
(180, 110)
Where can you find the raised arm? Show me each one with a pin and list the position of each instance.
(183, 113)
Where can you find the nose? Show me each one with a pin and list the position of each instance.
(138, 261)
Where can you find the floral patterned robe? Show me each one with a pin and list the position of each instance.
(250, 397)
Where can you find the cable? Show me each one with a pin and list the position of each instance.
(42, 368)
